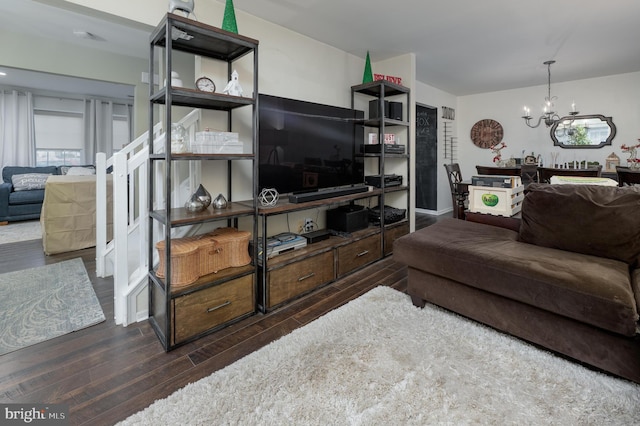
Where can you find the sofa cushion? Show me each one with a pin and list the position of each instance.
(29, 181)
(9, 171)
(590, 289)
(589, 219)
(35, 196)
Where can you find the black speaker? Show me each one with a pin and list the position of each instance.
(348, 218)
(374, 112)
(392, 110)
(395, 111)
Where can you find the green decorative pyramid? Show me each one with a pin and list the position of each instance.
(229, 20)
(368, 75)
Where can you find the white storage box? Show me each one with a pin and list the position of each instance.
(209, 142)
(496, 201)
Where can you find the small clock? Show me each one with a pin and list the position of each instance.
(486, 133)
(205, 84)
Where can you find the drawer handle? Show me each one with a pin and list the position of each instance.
(215, 308)
(306, 276)
(363, 253)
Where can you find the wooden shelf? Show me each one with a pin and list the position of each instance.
(182, 96)
(217, 278)
(386, 155)
(376, 122)
(202, 39)
(329, 244)
(284, 206)
(181, 217)
(205, 281)
(192, 156)
(380, 87)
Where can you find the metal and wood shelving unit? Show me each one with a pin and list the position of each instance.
(298, 272)
(382, 90)
(180, 315)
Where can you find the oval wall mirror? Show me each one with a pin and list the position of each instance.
(583, 131)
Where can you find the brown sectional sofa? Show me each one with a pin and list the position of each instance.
(566, 276)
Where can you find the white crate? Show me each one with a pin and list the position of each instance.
(496, 201)
(216, 137)
(212, 148)
(209, 142)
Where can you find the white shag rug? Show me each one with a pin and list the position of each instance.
(20, 231)
(381, 361)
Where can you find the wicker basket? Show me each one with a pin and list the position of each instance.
(184, 261)
(232, 249)
(209, 259)
(193, 257)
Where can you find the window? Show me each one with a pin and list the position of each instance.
(121, 126)
(59, 135)
(60, 129)
(58, 157)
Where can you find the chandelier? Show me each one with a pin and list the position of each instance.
(549, 116)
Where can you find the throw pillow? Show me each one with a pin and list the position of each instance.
(65, 169)
(80, 171)
(29, 181)
(589, 219)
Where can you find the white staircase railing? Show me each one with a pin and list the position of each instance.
(126, 255)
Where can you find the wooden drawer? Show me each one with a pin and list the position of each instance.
(357, 254)
(299, 277)
(392, 234)
(202, 310)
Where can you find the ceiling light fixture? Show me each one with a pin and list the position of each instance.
(549, 115)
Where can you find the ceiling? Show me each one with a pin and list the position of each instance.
(462, 46)
(111, 34)
(473, 46)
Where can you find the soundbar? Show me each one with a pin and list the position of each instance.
(304, 197)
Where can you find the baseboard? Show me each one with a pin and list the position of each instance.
(434, 212)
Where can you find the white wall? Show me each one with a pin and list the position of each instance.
(39, 54)
(617, 96)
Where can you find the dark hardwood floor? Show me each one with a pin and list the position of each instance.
(106, 372)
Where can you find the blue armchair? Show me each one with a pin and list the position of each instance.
(21, 205)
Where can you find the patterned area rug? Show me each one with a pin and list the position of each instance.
(379, 360)
(41, 303)
(20, 231)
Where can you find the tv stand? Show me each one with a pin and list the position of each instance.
(326, 193)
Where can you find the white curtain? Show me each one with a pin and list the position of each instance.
(17, 135)
(98, 124)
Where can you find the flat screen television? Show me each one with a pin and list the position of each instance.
(306, 147)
